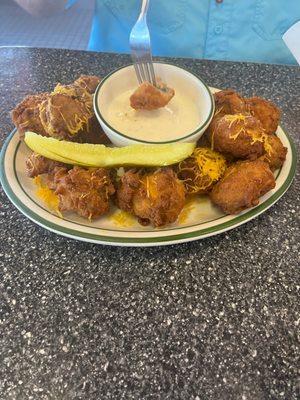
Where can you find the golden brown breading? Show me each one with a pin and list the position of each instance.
(129, 184)
(64, 116)
(229, 102)
(37, 165)
(266, 112)
(155, 198)
(149, 97)
(85, 191)
(226, 102)
(276, 154)
(242, 185)
(66, 113)
(75, 92)
(93, 134)
(26, 117)
(241, 136)
(88, 82)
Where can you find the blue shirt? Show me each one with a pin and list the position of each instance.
(239, 30)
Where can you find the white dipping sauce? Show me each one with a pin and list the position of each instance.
(179, 118)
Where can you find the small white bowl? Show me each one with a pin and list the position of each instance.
(124, 79)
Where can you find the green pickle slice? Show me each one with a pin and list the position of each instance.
(98, 155)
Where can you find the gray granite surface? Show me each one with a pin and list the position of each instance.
(212, 319)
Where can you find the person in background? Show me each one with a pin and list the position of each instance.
(213, 29)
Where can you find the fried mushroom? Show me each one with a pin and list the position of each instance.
(266, 112)
(26, 115)
(129, 184)
(240, 136)
(149, 97)
(65, 113)
(64, 116)
(156, 197)
(88, 82)
(38, 165)
(276, 154)
(85, 191)
(226, 102)
(242, 185)
(229, 102)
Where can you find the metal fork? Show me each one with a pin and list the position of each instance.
(140, 46)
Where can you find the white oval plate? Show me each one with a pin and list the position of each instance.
(201, 218)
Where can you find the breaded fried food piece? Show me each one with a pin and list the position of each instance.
(276, 154)
(266, 111)
(38, 165)
(129, 185)
(65, 113)
(26, 115)
(242, 185)
(85, 191)
(149, 97)
(229, 102)
(202, 170)
(88, 82)
(64, 116)
(157, 197)
(88, 129)
(239, 135)
(93, 134)
(226, 102)
(68, 113)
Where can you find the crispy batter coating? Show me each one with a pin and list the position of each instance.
(149, 97)
(68, 114)
(277, 154)
(266, 112)
(241, 136)
(202, 170)
(129, 184)
(85, 191)
(92, 134)
(229, 102)
(226, 102)
(88, 82)
(155, 198)
(37, 165)
(65, 116)
(65, 113)
(26, 115)
(242, 185)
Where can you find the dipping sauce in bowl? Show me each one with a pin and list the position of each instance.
(166, 123)
(184, 118)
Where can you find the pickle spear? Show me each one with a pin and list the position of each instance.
(98, 155)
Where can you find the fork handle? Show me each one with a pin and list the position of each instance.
(144, 8)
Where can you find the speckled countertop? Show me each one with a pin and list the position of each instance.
(211, 319)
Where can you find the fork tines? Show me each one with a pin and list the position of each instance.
(144, 71)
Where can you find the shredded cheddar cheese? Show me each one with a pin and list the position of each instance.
(232, 118)
(204, 168)
(47, 195)
(74, 123)
(256, 135)
(151, 186)
(122, 219)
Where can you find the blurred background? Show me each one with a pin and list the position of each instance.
(70, 29)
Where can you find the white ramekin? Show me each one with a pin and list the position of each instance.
(124, 79)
